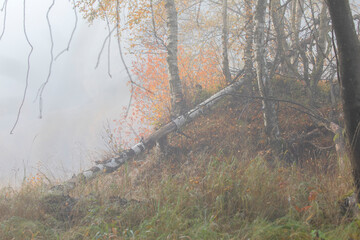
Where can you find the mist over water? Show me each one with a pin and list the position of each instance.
(78, 100)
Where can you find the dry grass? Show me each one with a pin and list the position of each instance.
(222, 183)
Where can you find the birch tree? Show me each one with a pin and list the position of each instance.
(225, 39)
(278, 17)
(176, 94)
(248, 51)
(270, 116)
(303, 42)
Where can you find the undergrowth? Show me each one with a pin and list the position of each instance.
(211, 198)
(220, 181)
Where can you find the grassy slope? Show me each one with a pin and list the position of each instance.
(221, 183)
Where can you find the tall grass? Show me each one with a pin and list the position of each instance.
(226, 185)
(219, 197)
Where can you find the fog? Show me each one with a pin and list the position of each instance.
(77, 101)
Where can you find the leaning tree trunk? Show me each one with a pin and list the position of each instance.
(349, 72)
(225, 39)
(177, 98)
(270, 115)
(112, 164)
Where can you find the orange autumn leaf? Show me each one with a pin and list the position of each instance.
(304, 209)
(151, 102)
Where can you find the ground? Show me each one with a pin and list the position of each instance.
(220, 180)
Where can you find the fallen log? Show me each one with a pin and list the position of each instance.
(114, 163)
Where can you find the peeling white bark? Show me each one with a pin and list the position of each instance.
(339, 145)
(176, 94)
(249, 39)
(112, 164)
(225, 39)
(270, 114)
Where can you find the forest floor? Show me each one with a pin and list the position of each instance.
(219, 180)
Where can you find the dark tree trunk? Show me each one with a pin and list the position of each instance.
(349, 66)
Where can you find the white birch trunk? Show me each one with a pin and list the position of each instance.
(321, 50)
(225, 40)
(176, 94)
(112, 164)
(248, 51)
(270, 116)
(339, 146)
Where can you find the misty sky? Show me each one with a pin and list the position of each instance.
(77, 101)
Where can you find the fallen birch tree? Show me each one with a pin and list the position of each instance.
(110, 165)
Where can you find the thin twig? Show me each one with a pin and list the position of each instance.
(103, 46)
(133, 130)
(284, 5)
(308, 111)
(108, 37)
(4, 5)
(124, 63)
(27, 72)
(109, 55)
(72, 34)
(312, 33)
(4, 8)
(154, 27)
(122, 58)
(42, 87)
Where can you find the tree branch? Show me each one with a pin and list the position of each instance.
(27, 72)
(72, 33)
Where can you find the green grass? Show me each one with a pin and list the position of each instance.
(210, 198)
(226, 185)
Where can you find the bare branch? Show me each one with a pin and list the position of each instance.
(4, 9)
(312, 33)
(72, 34)
(284, 5)
(108, 37)
(158, 39)
(307, 110)
(103, 46)
(122, 57)
(4, 5)
(133, 130)
(42, 87)
(27, 72)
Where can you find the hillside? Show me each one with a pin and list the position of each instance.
(219, 180)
